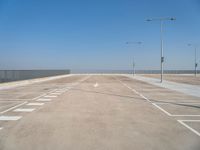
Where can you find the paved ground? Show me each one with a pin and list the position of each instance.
(188, 89)
(98, 112)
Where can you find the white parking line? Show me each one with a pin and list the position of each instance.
(12, 108)
(174, 115)
(162, 109)
(56, 93)
(43, 100)
(5, 105)
(1, 128)
(50, 96)
(134, 91)
(44, 94)
(24, 110)
(187, 126)
(10, 118)
(35, 104)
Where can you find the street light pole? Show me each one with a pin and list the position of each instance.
(133, 67)
(133, 57)
(195, 59)
(161, 43)
(162, 55)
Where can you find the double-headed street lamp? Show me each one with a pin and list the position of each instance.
(195, 59)
(161, 41)
(133, 57)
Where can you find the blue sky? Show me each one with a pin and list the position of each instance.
(91, 34)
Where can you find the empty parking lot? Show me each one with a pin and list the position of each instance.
(101, 112)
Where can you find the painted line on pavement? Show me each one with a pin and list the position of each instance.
(56, 93)
(44, 94)
(174, 115)
(162, 109)
(187, 126)
(35, 104)
(24, 110)
(44, 100)
(12, 108)
(50, 96)
(135, 91)
(10, 118)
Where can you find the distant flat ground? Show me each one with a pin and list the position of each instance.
(98, 112)
(180, 78)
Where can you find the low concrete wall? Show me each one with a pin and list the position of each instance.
(131, 71)
(15, 75)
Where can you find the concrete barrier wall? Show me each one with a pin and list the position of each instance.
(137, 71)
(15, 75)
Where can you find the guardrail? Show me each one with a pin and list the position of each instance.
(15, 75)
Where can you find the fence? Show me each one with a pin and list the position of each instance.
(14, 75)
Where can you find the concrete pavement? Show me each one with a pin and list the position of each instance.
(90, 112)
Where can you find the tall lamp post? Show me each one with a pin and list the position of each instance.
(133, 57)
(161, 42)
(195, 59)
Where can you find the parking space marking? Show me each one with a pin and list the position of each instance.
(1, 128)
(44, 100)
(169, 114)
(187, 126)
(12, 108)
(39, 96)
(35, 104)
(24, 110)
(173, 115)
(6, 105)
(162, 109)
(56, 93)
(135, 91)
(10, 118)
(44, 94)
(50, 96)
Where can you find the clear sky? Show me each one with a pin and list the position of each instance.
(91, 34)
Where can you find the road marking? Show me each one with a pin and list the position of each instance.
(10, 118)
(39, 96)
(24, 110)
(5, 105)
(187, 126)
(50, 96)
(35, 104)
(180, 121)
(162, 109)
(44, 94)
(134, 91)
(56, 93)
(60, 92)
(190, 120)
(13, 108)
(169, 114)
(96, 85)
(43, 100)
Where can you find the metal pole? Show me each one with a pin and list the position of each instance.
(162, 57)
(133, 67)
(195, 63)
(133, 57)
